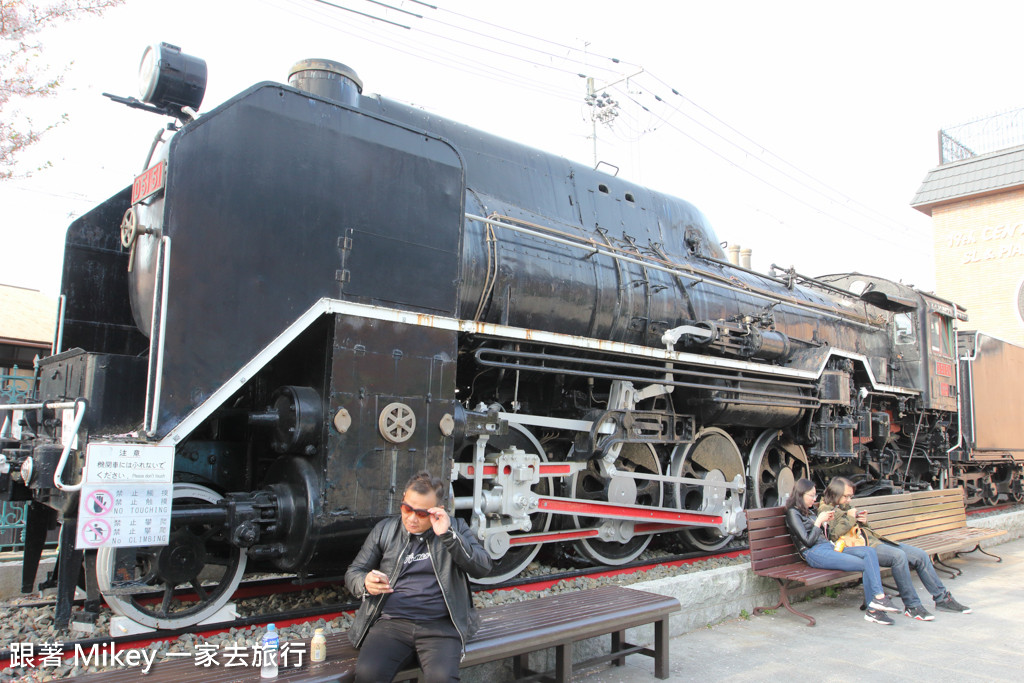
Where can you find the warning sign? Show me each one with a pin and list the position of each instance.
(95, 532)
(126, 496)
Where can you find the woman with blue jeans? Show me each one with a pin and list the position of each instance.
(805, 527)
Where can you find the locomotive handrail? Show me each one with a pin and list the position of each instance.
(80, 406)
(675, 269)
(787, 400)
(58, 341)
(55, 405)
(154, 374)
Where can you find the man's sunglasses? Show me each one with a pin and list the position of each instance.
(422, 514)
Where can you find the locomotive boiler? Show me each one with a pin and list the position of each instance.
(310, 294)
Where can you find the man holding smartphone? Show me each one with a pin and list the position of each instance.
(413, 576)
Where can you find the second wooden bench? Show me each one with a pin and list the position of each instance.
(935, 521)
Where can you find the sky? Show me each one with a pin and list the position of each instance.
(801, 129)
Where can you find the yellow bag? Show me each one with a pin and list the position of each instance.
(853, 538)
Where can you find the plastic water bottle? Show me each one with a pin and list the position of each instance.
(318, 647)
(270, 644)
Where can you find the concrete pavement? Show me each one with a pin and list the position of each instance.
(986, 645)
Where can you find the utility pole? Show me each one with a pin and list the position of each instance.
(602, 107)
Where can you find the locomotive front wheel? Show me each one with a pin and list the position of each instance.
(198, 564)
(774, 469)
(589, 484)
(712, 456)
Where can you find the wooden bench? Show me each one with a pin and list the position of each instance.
(512, 630)
(934, 521)
(772, 554)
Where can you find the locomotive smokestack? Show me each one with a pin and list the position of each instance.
(745, 258)
(328, 79)
(734, 254)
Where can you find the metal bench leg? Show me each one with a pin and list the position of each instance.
(521, 666)
(661, 649)
(978, 549)
(948, 569)
(563, 663)
(618, 638)
(784, 602)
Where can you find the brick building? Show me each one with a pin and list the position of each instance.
(976, 202)
(27, 322)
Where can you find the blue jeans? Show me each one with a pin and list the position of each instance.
(902, 558)
(863, 559)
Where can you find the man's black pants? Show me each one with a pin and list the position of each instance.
(392, 644)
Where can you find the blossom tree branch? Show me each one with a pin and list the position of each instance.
(21, 74)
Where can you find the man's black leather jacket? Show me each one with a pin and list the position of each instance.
(454, 555)
(801, 528)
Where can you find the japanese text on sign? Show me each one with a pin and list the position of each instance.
(126, 496)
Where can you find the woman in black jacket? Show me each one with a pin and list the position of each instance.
(813, 545)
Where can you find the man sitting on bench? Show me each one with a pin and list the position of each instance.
(412, 575)
(900, 557)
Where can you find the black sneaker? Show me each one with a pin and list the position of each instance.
(883, 603)
(951, 605)
(918, 612)
(878, 616)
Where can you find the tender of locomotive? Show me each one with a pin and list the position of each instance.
(311, 294)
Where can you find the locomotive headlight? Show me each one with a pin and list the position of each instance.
(170, 79)
(26, 471)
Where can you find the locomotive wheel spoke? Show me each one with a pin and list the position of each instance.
(200, 591)
(165, 606)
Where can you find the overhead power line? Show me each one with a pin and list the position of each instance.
(877, 216)
(746, 170)
(362, 14)
(500, 45)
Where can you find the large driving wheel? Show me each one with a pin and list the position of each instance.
(517, 557)
(714, 457)
(774, 468)
(589, 484)
(140, 583)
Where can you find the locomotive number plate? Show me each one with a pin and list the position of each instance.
(943, 369)
(149, 183)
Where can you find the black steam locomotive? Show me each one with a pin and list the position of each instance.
(310, 294)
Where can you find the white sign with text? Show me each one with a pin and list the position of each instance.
(126, 496)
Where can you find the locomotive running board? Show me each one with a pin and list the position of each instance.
(337, 307)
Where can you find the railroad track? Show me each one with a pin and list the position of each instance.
(257, 589)
(260, 588)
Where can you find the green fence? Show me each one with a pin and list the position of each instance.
(15, 388)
